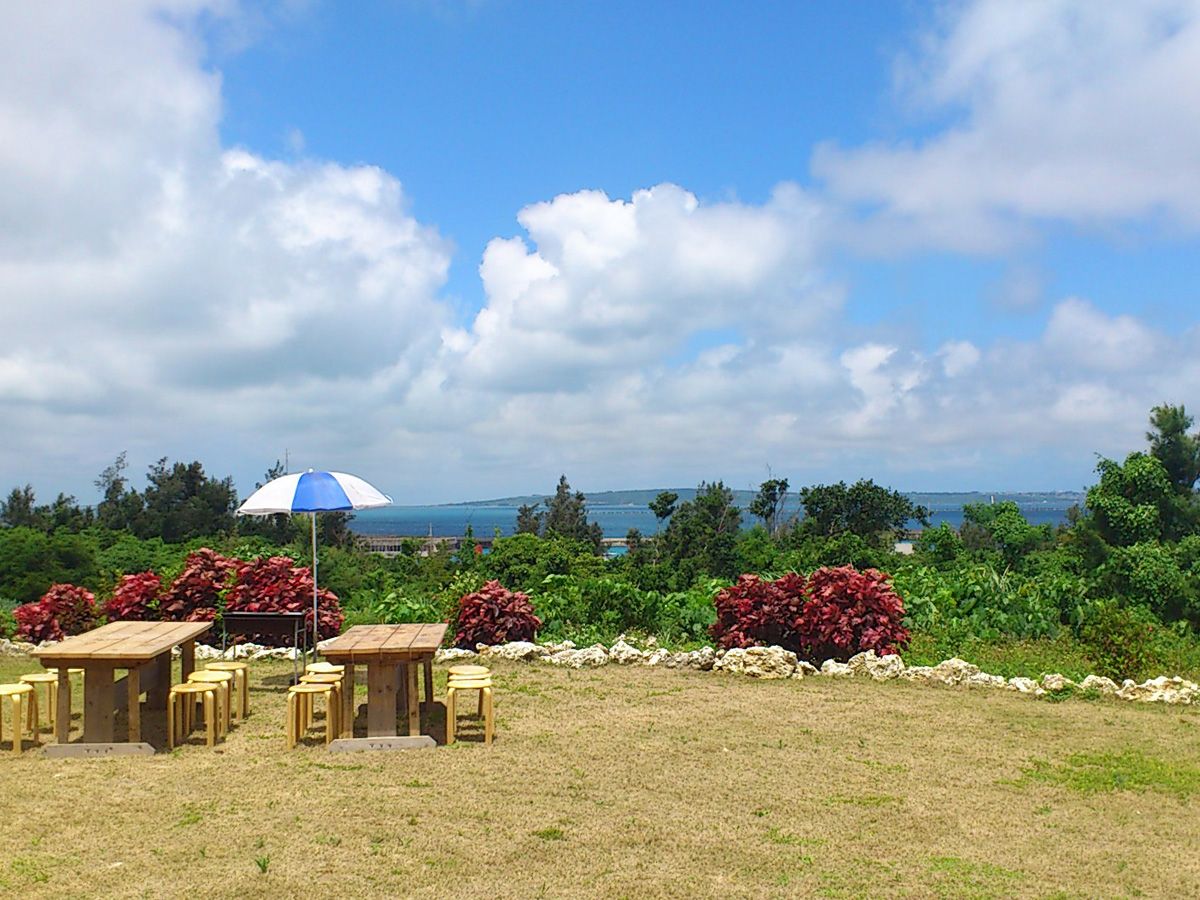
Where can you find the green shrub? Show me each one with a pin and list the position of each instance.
(1122, 641)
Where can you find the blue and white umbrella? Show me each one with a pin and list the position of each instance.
(313, 492)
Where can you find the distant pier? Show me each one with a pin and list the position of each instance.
(427, 545)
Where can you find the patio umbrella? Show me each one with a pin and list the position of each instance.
(313, 492)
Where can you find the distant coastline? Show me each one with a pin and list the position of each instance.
(931, 499)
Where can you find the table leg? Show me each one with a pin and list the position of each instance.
(187, 659)
(157, 681)
(133, 683)
(382, 684)
(348, 702)
(98, 704)
(414, 698)
(429, 683)
(62, 723)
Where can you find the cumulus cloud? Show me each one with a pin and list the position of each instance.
(1058, 110)
(152, 276)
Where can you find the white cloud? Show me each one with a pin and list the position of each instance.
(1084, 337)
(1059, 110)
(958, 357)
(161, 289)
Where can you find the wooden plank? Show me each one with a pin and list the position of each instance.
(98, 703)
(414, 700)
(348, 701)
(133, 686)
(382, 684)
(62, 723)
(357, 745)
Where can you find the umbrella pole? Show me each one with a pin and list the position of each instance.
(314, 540)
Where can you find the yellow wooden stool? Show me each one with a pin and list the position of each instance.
(181, 707)
(339, 685)
(324, 668)
(50, 680)
(19, 694)
(241, 682)
(224, 683)
(470, 678)
(299, 710)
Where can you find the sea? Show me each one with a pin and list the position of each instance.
(488, 520)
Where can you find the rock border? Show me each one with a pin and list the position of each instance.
(759, 662)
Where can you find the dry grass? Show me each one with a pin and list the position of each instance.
(640, 783)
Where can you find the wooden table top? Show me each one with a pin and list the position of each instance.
(384, 643)
(122, 642)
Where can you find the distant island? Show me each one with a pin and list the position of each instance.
(930, 499)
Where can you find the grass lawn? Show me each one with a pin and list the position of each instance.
(638, 783)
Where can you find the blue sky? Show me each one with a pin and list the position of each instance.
(459, 247)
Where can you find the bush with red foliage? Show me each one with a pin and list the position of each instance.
(278, 585)
(63, 610)
(195, 595)
(755, 613)
(835, 614)
(850, 612)
(494, 615)
(135, 599)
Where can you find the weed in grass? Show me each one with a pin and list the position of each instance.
(29, 870)
(263, 862)
(775, 836)
(550, 834)
(960, 879)
(191, 816)
(1129, 770)
(418, 783)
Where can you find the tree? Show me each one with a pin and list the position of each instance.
(182, 502)
(17, 510)
(1009, 533)
(768, 503)
(566, 516)
(663, 506)
(1170, 444)
(529, 519)
(701, 537)
(876, 514)
(1132, 502)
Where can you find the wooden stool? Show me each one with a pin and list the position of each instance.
(339, 685)
(457, 673)
(181, 706)
(19, 694)
(299, 710)
(224, 683)
(241, 683)
(473, 680)
(50, 680)
(324, 668)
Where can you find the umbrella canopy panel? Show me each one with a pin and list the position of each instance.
(313, 492)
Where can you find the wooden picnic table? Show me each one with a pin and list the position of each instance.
(392, 654)
(143, 650)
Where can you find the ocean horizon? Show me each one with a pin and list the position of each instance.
(488, 520)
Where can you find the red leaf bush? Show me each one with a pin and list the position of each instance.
(278, 585)
(835, 614)
(63, 610)
(135, 599)
(195, 595)
(494, 615)
(850, 612)
(757, 613)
